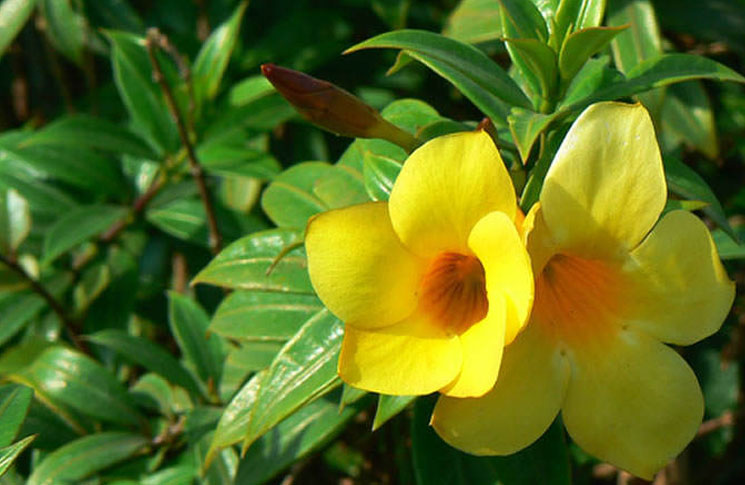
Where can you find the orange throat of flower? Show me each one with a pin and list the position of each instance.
(578, 300)
(453, 292)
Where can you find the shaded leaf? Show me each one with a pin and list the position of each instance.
(538, 58)
(388, 407)
(640, 42)
(78, 226)
(582, 45)
(13, 16)
(289, 200)
(8, 454)
(526, 126)
(525, 19)
(379, 173)
(15, 220)
(574, 15)
(687, 115)
(727, 247)
(14, 403)
(231, 160)
(65, 28)
(474, 21)
(85, 456)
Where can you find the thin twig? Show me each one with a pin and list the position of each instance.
(55, 305)
(154, 40)
(138, 206)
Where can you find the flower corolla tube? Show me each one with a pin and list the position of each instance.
(433, 283)
(614, 282)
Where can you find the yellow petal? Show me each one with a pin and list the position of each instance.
(412, 357)
(522, 405)
(606, 187)
(359, 268)
(537, 239)
(681, 292)
(482, 353)
(444, 188)
(496, 242)
(631, 401)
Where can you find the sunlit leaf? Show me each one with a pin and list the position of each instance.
(8, 454)
(13, 16)
(14, 403)
(388, 407)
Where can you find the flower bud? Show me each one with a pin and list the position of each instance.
(334, 109)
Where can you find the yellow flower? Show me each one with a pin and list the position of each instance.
(612, 283)
(433, 283)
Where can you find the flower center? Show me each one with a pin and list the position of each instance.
(578, 299)
(453, 291)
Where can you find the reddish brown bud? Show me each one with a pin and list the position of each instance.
(332, 108)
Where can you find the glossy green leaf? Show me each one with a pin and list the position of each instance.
(14, 403)
(540, 60)
(596, 74)
(74, 380)
(380, 174)
(147, 354)
(13, 16)
(66, 29)
(70, 164)
(303, 370)
(140, 94)
(250, 89)
(115, 14)
(308, 429)
(8, 454)
(188, 323)
(262, 315)
(271, 260)
(525, 20)
(233, 423)
(15, 220)
(289, 200)
(685, 182)
(78, 226)
(254, 356)
(86, 456)
(574, 15)
(582, 45)
(687, 115)
(686, 205)
(231, 160)
(213, 57)
(82, 130)
(341, 187)
(435, 462)
(388, 407)
(41, 196)
(474, 22)
(481, 80)
(526, 126)
(727, 247)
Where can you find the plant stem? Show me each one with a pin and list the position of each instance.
(157, 40)
(56, 306)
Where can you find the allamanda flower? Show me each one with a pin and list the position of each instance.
(432, 284)
(612, 283)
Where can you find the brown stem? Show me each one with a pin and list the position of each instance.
(154, 40)
(138, 206)
(55, 305)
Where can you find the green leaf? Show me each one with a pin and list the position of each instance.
(727, 247)
(264, 261)
(14, 403)
(133, 78)
(687, 115)
(41, 196)
(524, 19)
(254, 356)
(289, 200)
(308, 429)
(594, 75)
(640, 42)
(85, 456)
(87, 131)
(474, 22)
(13, 16)
(482, 81)
(574, 15)
(147, 354)
(250, 89)
(213, 57)
(263, 316)
(685, 182)
(303, 370)
(231, 160)
(233, 423)
(78, 226)
(15, 220)
(538, 58)
(388, 407)
(526, 126)
(341, 187)
(70, 378)
(435, 462)
(65, 28)
(380, 173)
(188, 323)
(582, 45)
(9, 453)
